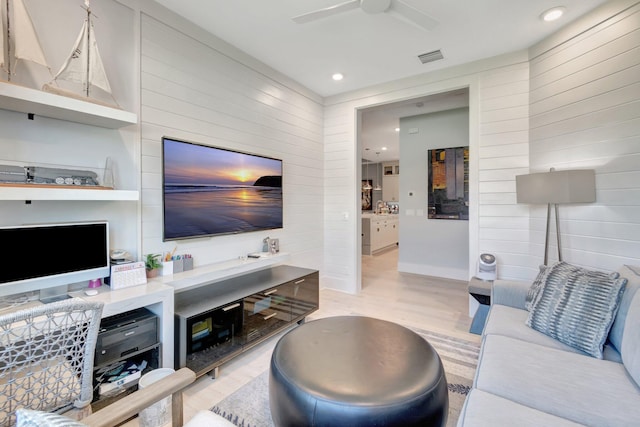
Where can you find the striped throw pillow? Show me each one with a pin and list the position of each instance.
(577, 306)
(536, 286)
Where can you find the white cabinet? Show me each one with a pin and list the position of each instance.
(379, 232)
(391, 188)
(391, 181)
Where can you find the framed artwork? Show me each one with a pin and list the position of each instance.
(448, 190)
(366, 194)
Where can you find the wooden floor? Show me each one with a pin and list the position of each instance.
(435, 304)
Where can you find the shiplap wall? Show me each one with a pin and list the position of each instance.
(196, 88)
(585, 113)
(504, 153)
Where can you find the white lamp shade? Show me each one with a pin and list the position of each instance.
(568, 186)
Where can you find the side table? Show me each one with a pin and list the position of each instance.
(479, 303)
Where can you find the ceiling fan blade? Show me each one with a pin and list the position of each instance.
(327, 11)
(412, 14)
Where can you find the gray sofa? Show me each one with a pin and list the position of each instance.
(527, 378)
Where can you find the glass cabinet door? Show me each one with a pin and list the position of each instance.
(264, 312)
(303, 296)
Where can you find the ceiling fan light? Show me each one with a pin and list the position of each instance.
(374, 6)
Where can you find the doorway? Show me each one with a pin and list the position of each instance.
(379, 138)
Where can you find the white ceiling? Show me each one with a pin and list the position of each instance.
(375, 48)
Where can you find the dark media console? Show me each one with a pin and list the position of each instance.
(216, 322)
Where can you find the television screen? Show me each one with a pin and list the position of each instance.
(209, 191)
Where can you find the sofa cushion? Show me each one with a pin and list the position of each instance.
(568, 385)
(511, 322)
(577, 306)
(631, 340)
(482, 409)
(632, 274)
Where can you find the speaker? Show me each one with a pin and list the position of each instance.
(487, 267)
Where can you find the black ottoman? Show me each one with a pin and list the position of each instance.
(356, 371)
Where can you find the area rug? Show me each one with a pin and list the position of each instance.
(249, 405)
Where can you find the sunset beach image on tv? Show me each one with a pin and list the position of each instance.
(210, 191)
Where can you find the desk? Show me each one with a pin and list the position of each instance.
(156, 297)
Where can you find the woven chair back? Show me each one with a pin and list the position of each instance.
(46, 357)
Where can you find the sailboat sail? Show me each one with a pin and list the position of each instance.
(27, 45)
(17, 27)
(2, 35)
(84, 64)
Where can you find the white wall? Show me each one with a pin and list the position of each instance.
(585, 113)
(433, 247)
(197, 88)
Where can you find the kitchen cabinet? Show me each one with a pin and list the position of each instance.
(391, 188)
(391, 181)
(379, 232)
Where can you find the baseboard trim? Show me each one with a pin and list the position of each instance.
(434, 270)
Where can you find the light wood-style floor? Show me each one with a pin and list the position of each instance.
(435, 304)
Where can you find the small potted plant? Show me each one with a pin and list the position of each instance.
(152, 264)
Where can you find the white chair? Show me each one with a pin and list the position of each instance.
(130, 405)
(46, 357)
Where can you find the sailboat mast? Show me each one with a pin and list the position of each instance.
(8, 42)
(88, 47)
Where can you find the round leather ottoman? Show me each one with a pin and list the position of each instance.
(356, 371)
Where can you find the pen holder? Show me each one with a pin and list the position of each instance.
(167, 268)
(187, 264)
(178, 265)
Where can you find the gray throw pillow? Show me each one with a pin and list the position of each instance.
(536, 286)
(577, 306)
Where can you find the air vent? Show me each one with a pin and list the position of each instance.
(430, 56)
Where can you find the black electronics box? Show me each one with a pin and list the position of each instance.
(126, 334)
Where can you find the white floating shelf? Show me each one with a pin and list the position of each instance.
(39, 193)
(27, 100)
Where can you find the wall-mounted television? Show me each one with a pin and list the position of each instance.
(47, 255)
(209, 191)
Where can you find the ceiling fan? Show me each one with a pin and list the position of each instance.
(398, 8)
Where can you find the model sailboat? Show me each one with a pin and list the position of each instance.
(18, 40)
(83, 65)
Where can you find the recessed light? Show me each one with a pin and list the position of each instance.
(384, 148)
(552, 14)
(397, 129)
(337, 76)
